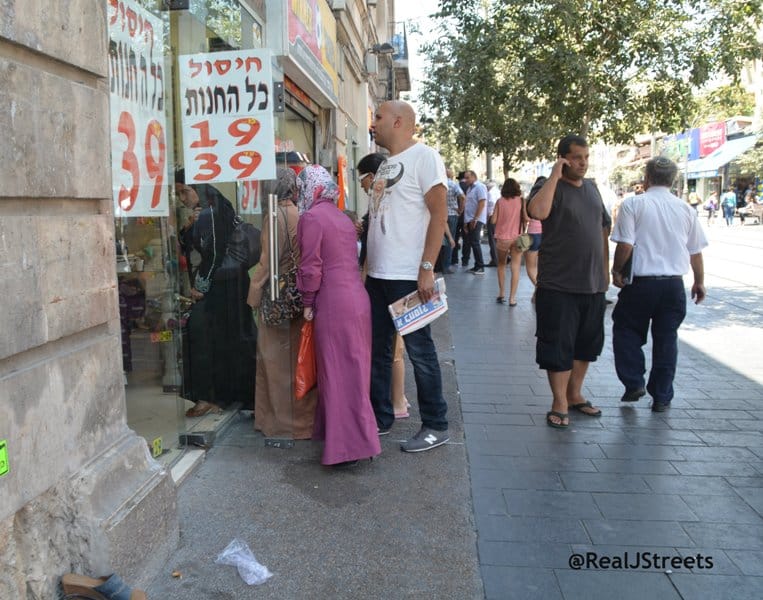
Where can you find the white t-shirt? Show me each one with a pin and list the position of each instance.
(398, 215)
(663, 230)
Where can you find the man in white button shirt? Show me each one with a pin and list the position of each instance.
(661, 236)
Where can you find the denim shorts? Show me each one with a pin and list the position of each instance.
(536, 241)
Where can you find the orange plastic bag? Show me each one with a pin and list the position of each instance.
(305, 377)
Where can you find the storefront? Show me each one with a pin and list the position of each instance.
(177, 107)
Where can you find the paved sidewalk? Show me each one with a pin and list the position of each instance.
(509, 500)
(679, 484)
(399, 527)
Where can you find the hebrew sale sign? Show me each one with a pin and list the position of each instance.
(226, 101)
(138, 122)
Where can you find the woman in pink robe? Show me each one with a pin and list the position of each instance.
(334, 297)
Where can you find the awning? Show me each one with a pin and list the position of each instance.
(709, 166)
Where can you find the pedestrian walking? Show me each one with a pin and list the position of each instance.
(475, 212)
(455, 198)
(729, 205)
(408, 216)
(509, 221)
(573, 276)
(661, 237)
(711, 206)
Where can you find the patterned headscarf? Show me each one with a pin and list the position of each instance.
(315, 183)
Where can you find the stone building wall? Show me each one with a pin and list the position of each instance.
(82, 492)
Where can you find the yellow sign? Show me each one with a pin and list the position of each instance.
(161, 336)
(4, 466)
(156, 447)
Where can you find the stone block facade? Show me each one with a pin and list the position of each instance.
(82, 493)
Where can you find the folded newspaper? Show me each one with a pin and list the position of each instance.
(410, 314)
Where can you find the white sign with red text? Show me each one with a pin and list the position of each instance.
(138, 122)
(226, 103)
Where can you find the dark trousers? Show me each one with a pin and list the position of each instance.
(473, 243)
(421, 352)
(661, 302)
(491, 242)
(459, 238)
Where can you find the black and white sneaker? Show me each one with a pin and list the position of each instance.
(382, 432)
(425, 439)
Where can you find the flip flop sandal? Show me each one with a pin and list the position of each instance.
(579, 407)
(104, 588)
(562, 417)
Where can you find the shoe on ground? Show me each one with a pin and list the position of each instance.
(480, 271)
(660, 406)
(424, 440)
(491, 264)
(633, 395)
(382, 431)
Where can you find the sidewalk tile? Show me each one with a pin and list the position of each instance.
(524, 554)
(531, 503)
(604, 482)
(647, 507)
(749, 562)
(623, 585)
(715, 468)
(634, 467)
(520, 583)
(688, 484)
(729, 536)
(531, 529)
(643, 534)
(717, 587)
(721, 509)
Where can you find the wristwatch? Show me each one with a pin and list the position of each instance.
(427, 266)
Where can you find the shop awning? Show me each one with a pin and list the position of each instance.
(709, 166)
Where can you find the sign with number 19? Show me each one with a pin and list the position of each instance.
(227, 115)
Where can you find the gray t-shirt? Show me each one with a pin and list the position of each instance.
(571, 256)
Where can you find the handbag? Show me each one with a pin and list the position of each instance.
(288, 304)
(305, 376)
(523, 242)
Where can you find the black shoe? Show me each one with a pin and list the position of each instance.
(660, 406)
(382, 432)
(480, 271)
(491, 264)
(633, 395)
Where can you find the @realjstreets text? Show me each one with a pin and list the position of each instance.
(638, 560)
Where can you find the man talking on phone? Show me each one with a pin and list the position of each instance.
(573, 276)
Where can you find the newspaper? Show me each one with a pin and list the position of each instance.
(409, 314)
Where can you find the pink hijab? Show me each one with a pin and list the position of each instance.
(315, 184)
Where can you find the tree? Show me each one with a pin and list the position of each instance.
(513, 76)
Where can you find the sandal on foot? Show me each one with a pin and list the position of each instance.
(500, 300)
(561, 417)
(583, 405)
(104, 588)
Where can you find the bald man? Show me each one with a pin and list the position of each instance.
(407, 220)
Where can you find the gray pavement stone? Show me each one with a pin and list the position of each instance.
(753, 496)
(520, 583)
(715, 468)
(634, 467)
(687, 484)
(721, 561)
(721, 509)
(646, 507)
(717, 587)
(604, 482)
(643, 534)
(749, 562)
(531, 529)
(575, 505)
(728, 536)
(623, 585)
(524, 554)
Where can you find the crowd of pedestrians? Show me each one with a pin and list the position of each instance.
(419, 219)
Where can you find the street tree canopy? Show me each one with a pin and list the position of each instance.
(511, 76)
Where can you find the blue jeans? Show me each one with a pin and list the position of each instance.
(728, 214)
(446, 252)
(663, 303)
(421, 351)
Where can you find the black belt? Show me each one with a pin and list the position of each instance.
(657, 277)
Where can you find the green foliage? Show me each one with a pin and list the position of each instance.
(724, 102)
(510, 76)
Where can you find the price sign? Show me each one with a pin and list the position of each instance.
(227, 116)
(248, 194)
(138, 123)
(158, 337)
(156, 447)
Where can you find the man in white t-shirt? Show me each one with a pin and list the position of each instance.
(661, 236)
(407, 220)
